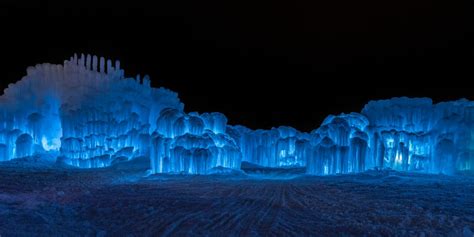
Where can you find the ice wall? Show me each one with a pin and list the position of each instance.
(278, 147)
(192, 143)
(405, 134)
(85, 110)
(417, 135)
(88, 114)
(340, 146)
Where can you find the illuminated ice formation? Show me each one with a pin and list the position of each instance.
(340, 145)
(278, 147)
(84, 110)
(400, 133)
(192, 143)
(86, 113)
(414, 134)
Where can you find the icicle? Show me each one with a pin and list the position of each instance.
(75, 59)
(94, 63)
(88, 62)
(146, 81)
(109, 66)
(102, 65)
(117, 65)
(82, 61)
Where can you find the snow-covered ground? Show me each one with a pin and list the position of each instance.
(44, 199)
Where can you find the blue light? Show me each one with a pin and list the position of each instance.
(90, 114)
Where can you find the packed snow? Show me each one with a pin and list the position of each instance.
(122, 200)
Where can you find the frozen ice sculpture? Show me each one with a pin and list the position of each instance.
(85, 111)
(89, 115)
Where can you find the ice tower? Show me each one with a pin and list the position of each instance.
(85, 110)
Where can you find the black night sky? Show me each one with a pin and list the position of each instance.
(265, 63)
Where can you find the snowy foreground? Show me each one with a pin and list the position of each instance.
(46, 199)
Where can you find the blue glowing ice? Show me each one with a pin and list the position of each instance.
(192, 143)
(278, 147)
(86, 113)
(340, 145)
(415, 134)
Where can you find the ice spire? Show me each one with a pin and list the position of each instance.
(102, 65)
(94, 63)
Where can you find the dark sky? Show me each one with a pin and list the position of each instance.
(265, 63)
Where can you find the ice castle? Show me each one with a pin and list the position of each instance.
(88, 114)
